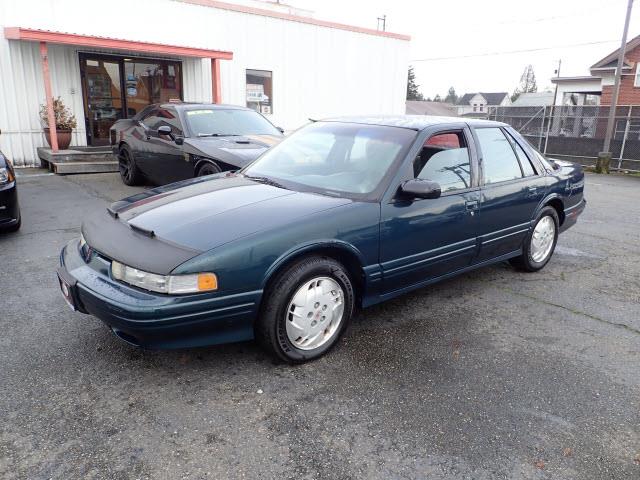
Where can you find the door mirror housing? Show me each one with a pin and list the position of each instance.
(166, 131)
(419, 188)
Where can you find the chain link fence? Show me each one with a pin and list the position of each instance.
(576, 132)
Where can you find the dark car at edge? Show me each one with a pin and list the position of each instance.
(10, 219)
(343, 214)
(170, 142)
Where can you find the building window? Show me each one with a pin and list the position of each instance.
(481, 107)
(636, 81)
(475, 107)
(260, 91)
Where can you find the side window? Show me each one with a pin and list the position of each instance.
(525, 163)
(445, 159)
(498, 160)
(150, 119)
(163, 116)
(170, 117)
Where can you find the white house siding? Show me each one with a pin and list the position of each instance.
(576, 86)
(318, 71)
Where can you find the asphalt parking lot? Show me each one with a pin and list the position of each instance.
(494, 374)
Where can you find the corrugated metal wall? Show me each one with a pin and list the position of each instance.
(317, 71)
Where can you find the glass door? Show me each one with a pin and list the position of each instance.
(116, 87)
(102, 92)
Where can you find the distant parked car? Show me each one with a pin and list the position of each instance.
(9, 208)
(175, 141)
(343, 213)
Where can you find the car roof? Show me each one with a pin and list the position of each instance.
(413, 122)
(193, 105)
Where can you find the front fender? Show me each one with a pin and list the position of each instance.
(310, 247)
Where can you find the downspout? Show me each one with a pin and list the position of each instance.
(51, 118)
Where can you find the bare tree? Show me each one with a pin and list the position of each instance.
(527, 83)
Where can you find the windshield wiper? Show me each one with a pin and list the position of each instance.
(218, 135)
(266, 181)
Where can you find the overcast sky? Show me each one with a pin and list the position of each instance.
(456, 28)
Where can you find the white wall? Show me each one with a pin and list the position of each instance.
(577, 86)
(317, 71)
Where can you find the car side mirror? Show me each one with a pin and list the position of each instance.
(419, 188)
(166, 131)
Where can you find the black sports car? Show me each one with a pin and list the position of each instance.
(9, 209)
(168, 142)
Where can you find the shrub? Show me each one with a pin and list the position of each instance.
(64, 119)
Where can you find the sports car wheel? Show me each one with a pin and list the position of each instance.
(208, 169)
(306, 309)
(129, 171)
(540, 242)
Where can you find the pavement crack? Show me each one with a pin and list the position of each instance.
(576, 312)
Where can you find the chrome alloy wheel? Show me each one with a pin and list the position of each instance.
(542, 239)
(315, 313)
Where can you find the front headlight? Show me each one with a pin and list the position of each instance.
(5, 176)
(171, 284)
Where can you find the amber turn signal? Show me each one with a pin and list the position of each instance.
(207, 282)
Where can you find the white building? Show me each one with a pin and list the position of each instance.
(108, 61)
(479, 103)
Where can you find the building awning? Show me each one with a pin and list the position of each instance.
(46, 37)
(62, 38)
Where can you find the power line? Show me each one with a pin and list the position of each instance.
(509, 52)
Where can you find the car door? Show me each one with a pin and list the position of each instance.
(422, 239)
(164, 161)
(511, 189)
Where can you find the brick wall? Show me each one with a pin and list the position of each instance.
(629, 95)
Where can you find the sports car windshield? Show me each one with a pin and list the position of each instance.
(219, 122)
(345, 158)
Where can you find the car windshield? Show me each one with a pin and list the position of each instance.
(220, 122)
(344, 158)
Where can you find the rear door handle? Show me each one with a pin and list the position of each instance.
(532, 191)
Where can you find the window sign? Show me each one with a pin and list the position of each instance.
(259, 88)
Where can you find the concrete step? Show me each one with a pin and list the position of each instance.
(99, 166)
(79, 160)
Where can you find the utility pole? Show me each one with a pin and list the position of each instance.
(604, 158)
(383, 20)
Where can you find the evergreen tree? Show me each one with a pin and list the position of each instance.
(451, 97)
(413, 89)
(437, 98)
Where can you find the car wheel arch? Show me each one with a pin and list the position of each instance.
(224, 167)
(346, 254)
(555, 201)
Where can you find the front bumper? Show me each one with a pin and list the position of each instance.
(153, 320)
(9, 209)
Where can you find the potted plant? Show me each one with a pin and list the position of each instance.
(65, 123)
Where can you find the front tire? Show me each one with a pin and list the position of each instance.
(208, 168)
(540, 242)
(307, 308)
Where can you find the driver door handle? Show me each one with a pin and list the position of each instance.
(472, 204)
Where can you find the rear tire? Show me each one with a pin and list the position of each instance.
(540, 242)
(129, 171)
(306, 309)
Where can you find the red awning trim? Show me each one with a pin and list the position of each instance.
(33, 35)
